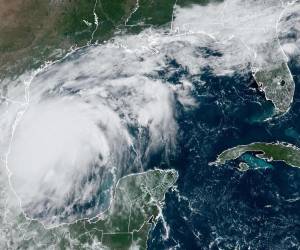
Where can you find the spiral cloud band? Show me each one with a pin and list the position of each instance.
(102, 111)
(83, 130)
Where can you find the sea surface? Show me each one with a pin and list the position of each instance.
(222, 207)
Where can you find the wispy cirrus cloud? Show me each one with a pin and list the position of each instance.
(102, 111)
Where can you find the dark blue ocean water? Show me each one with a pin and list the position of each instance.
(221, 207)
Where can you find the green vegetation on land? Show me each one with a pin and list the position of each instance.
(279, 151)
(136, 204)
(278, 85)
(33, 31)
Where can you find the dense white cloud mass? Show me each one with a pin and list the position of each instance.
(90, 119)
(289, 30)
(244, 30)
(55, 145)
(102, 111)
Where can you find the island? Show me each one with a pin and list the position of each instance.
(135, 208)
(278, 151)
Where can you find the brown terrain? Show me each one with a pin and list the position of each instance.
(34, 31)
(26, 31)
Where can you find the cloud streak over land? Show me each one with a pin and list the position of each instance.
(103, 111)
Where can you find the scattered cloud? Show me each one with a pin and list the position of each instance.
(100, 112)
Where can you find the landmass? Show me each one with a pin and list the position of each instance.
(243, 166)
(279, 151)
(33, 32)
(135, 209)
(278, 85)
